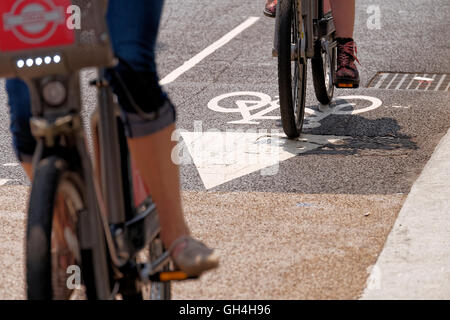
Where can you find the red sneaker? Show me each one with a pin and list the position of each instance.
(347, 75)
(270, 8)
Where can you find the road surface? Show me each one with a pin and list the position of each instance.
(307, 219)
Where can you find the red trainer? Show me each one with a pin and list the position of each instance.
(270, 8)
(347, 75)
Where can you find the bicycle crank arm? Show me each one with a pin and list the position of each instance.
(149, 269)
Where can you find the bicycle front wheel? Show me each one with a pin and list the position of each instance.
(291, 67)
(53, 255)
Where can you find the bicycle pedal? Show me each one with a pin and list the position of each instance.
(347, 85)
(166, 276)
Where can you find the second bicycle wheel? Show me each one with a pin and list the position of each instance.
(323, 66)
(291, 67)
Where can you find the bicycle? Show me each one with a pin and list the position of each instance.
(101, 221)
(303, 30)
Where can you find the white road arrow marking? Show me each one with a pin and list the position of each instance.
(4, 181)
(224, 156)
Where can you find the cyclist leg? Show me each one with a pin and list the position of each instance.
(133, 31)
(344, 21)
(20, 113)
(344, 17)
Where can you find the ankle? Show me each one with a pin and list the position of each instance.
(178, 246)
(170, 242)
(341, 40)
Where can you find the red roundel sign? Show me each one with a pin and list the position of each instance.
(29, 24)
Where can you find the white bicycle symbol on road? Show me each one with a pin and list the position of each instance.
(340, 106)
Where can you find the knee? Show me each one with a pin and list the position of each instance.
(134, 86)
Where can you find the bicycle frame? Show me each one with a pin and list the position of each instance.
(316, 24)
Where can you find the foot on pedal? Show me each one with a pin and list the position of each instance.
(347, 75)
(192, 257)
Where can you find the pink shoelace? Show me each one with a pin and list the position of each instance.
(346, 52)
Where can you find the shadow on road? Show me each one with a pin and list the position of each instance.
(364, 136)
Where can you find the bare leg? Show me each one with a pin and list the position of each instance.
(326, 6)
(152, 155)
(28, 168)
(347, 75)
(344, 17)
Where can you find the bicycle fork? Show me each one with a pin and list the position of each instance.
(304, 39)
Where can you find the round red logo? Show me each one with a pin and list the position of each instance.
(34, 21)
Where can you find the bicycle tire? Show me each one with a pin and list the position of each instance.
(44, 247)
(291, 87)
(322, 70)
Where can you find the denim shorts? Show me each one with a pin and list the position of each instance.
(133, 25)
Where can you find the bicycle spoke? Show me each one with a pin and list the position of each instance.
(295, 87)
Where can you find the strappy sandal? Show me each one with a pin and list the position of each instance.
(194, 258)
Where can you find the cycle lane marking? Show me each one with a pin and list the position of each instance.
(221, 157)
(208, 51)
(313, 117)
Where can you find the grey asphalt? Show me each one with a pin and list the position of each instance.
(371, 171)
(246, 65)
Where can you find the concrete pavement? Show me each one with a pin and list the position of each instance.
(415, 261)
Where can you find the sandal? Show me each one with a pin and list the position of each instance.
(192, 256)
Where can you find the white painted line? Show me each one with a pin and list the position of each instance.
(209, 50)
(415, 261)
(246, 104)
(4, 181)
(221, 157)
(448, 86)
(440, 82)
